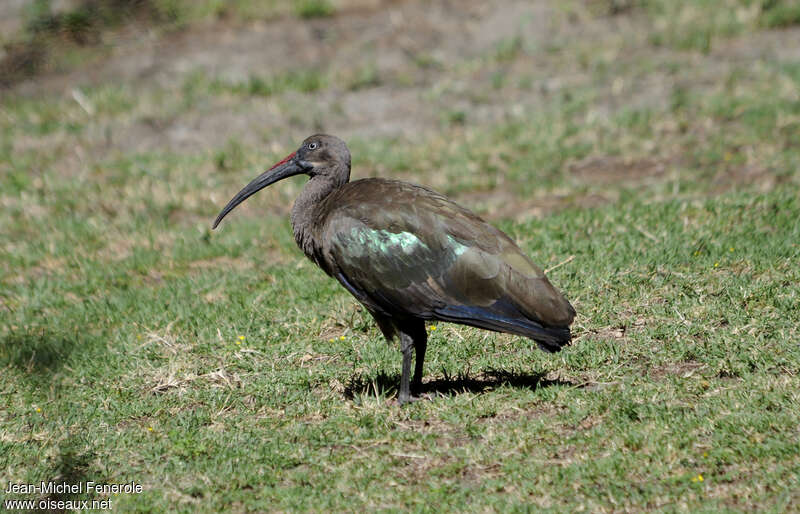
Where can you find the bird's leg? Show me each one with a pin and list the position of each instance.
(385, 324)
(412, 337)
(406, 346)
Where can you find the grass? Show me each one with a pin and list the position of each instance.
(314, 9)
(148, 363)
(223, 371)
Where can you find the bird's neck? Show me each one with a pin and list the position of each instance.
(305, 209)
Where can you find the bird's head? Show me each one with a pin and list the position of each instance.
(321, 157)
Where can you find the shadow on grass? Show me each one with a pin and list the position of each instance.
(383, 384)
(72, 466)
(37, 352)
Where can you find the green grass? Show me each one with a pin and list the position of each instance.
(314, 9)
(305, 82)
(224, 372)
(685, 364)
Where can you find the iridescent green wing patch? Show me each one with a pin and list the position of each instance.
(374, 241)
(382, 258)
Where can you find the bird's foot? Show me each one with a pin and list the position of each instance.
(403, 400)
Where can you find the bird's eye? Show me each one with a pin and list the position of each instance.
(312, 146)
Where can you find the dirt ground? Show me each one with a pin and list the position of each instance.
(393, 37)
(396, 68)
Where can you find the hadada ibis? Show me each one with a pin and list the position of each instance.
(409, 254)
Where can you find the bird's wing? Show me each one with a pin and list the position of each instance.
(406, 250)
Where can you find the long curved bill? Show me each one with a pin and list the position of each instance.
(285, 168)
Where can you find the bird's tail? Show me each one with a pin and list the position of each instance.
(561, 338)
(549, 339)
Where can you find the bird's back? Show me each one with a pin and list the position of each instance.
(407, 251)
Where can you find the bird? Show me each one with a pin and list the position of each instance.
(410, 255)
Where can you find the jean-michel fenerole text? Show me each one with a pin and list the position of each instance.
(87, 487)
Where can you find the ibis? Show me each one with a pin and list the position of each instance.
(411, 255)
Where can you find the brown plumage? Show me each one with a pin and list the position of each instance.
(409, 254)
